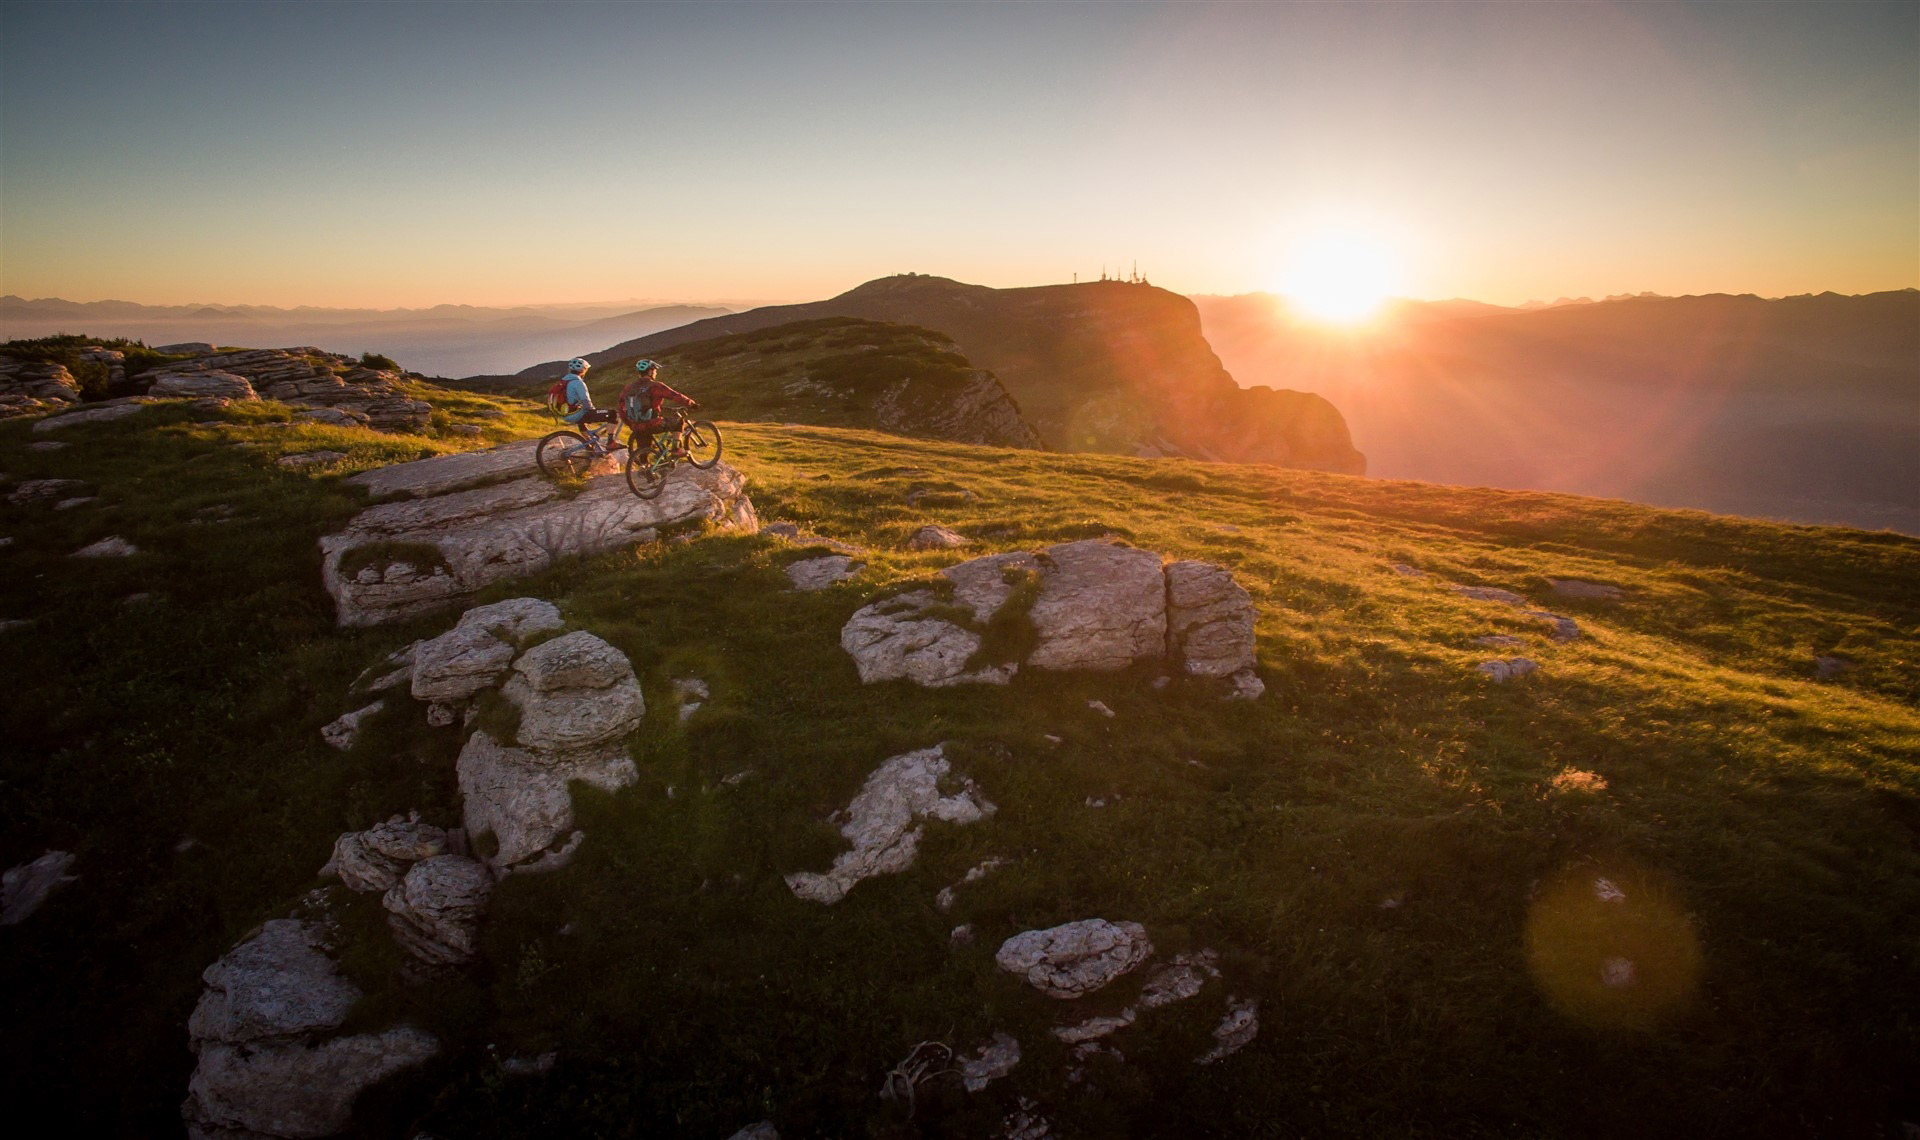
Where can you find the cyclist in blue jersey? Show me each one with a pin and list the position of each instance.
(581, 400)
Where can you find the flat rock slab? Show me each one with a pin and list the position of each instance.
(1509, 669)
(819, 573)
(400, 559)
(105, 413)
(1075, 958)
(1591, 591)
(881, 822)
(442, 474)
(115, 547)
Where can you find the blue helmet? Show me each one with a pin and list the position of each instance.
(577, 365)
(644, 365)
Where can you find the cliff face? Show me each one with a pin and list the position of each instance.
(1105, 366)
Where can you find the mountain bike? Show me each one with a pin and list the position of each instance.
(695, 441)
(570, 453)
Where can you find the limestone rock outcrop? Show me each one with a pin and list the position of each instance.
(456, 524)
(266, 1066)
(304, 377)
(211, 383)
(28, 386)
(1075, 958)
(104, 412)
(1091, 605)
(882, 822)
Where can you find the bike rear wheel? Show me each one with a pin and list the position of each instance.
(643, 478)
(565, 455)
(703, 444)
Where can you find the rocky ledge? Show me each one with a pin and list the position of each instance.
(459, 523)
(28, 386)
(302, 377)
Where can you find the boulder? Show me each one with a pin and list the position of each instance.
(375, 859)
(819, 573)
(515, 619)
(1209, 620)
(345, 730)
(24, 888)
(1101, 606)
(1076, 958)
(400, 559)
(276, 984)
(882, 822)
(434, 912)
(574, 693)
(1097, 605)
(294, 1090)
(459, 663)
(211, 383)
(936, 538)
(28, 386)
(519, 796)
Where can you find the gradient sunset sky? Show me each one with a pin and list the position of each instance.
(399, 154)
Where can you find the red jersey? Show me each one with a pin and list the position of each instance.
(641, 400)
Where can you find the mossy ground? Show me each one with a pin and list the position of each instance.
(1774, 818)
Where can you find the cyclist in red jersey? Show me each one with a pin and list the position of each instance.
(641, 402)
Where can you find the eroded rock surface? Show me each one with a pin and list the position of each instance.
(1091, 605)
(434, 911)
(375, 859)
(936, 538)
(266, 1067)
(882, 822)
(1209, 620)
(469, 521)
(520, 797)
(209, 383)
(344, 730)
(304, 378)
(819, 573)
(24, 888)
(28, 386)
(459, 663)
(575, 693)
(1506, 670)
(1076, 958)
(1235, 1032)
(990, 1062)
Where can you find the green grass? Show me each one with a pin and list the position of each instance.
(689, 993)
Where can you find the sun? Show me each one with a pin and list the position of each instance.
(1339, 276)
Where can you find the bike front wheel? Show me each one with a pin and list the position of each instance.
(564, 455)
(703, 444)
(643, 478)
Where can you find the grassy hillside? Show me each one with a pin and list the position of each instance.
(832, 372)
(1105, 366)
(1372, 846)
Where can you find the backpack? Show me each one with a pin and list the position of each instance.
(635, 408)
(557, 402)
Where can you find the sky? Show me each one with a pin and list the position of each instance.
(412, 154)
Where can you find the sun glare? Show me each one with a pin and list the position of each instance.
(1339, 276)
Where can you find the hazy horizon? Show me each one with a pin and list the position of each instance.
(412, 155)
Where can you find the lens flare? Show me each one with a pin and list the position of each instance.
(1612, 947)
(1340, 276)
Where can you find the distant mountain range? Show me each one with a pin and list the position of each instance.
(446, 340)
(1102, 366)
(1800, 408)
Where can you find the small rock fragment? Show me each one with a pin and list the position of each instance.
(1500, 641)
(1101, 708)
(1502, 671)
(936, 538)
(114, 547)
(310, 458)
(990, 1062)
(342, 733)
(764, 1130)
(1591, 591)
(1094, 1028)
(1489, 594)
(1235, 1031)
(820, 573)
(1247, 686)
(1179, 980)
